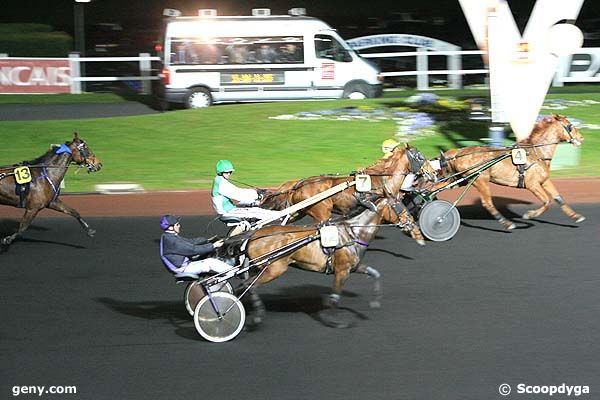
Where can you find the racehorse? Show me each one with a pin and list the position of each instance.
(534, 175)
(43, 176)
(387, 176)
(353, 234)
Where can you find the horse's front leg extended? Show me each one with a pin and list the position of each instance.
(25, 222)
(377, 291)
(58, 205)
(553, 192)
(411, 226)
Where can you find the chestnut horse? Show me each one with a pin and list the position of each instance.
(540, 147)
(354, 236)
(387, 175)
(45, 174)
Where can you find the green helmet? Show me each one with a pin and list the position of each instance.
(224, 166)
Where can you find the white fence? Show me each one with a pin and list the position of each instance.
(581, 67)
(454, 71)
(145, 76)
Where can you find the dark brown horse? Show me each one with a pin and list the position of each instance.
(387, 176)
(353, 234)
(540, 147)
(45, 174)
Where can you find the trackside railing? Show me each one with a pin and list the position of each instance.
(145, 66)
(454, 70)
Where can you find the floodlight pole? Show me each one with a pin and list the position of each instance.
(79, 29)
(79, 33)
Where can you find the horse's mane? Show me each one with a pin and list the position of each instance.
(384, 165)
(540, 128)
(41, 158)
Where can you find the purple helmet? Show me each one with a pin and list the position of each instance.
(167, 221)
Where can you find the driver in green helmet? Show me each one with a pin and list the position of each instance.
(223, 192)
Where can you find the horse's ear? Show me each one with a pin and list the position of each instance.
(406, 146)
(75, 135)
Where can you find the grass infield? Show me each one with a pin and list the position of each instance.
(179, 149)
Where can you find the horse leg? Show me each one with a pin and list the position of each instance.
(333, 300)
(551, 189)
(539, 192)
(271, 272)
(485, 195)
(377, 291)
(58, 205)
(25, 222)
(413, 228)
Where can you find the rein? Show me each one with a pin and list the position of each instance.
(505, 148)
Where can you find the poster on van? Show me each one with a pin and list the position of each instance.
(34, 76)
(253, 78)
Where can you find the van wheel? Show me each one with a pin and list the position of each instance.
(356, 92)
(198, 98)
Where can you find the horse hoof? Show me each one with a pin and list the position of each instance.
(6, 241)
(511, 226)
(579, 219)
(91, 232)
(526, 216)
(421, 242)
(374, 304)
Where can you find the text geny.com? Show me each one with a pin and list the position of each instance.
(41, 390)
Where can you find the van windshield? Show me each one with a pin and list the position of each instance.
(237, 50)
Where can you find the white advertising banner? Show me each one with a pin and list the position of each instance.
(522, 67)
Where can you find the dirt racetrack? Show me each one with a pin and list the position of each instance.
(197, 202)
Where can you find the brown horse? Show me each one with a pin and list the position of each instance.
(540, 147)
(354, 236)
(45, 174)
(387, 175)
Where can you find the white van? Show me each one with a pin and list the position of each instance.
(261, 58)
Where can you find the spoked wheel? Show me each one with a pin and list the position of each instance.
(223, 325)
(194, 293)
(439, 220)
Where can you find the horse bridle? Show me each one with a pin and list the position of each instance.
(416, 161)
(84, 153)
(569, 129)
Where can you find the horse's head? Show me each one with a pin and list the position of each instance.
(419, 165)
(568, 132)
(83, 155)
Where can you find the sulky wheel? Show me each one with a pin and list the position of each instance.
(219, 329)
(439, 220)
(194, 293)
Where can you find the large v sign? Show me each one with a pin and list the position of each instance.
(521, 67)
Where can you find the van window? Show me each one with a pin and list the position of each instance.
(236, 50)
(328, 47)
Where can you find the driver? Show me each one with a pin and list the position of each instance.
(223, 192)
(177, 250)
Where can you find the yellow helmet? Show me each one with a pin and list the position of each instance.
(389, 145)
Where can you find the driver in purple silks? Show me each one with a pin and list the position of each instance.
(176, 251)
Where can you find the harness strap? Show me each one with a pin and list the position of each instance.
(521, 169)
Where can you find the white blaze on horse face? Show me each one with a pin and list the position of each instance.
(521, 67)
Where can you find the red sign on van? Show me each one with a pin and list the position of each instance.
(328, 71)
(34, 76)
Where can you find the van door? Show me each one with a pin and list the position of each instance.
(334, 65)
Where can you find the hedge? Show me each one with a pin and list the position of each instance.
(33, 40)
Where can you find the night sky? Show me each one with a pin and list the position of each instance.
(147, 14)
